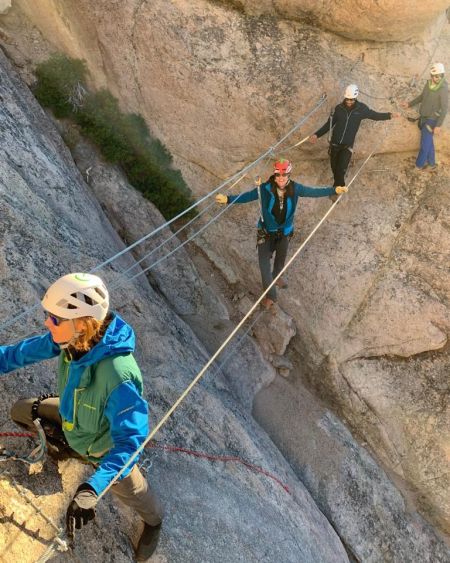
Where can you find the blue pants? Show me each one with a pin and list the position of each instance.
(426, 152)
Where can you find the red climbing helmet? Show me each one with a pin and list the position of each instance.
(282, 166)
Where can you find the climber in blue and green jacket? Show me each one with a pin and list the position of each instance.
(278, 198)
(99, 414)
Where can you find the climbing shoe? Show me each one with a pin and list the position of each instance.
(147, 542)
(267, 303)
(281, 283)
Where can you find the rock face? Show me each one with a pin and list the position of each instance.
(51, 224)
(370, 515)
(385, 20)
(255, 74)
(370, 298)
(5, 5)
(173, 275)
(369, 295)
(345, 480)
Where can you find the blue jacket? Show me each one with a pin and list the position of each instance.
(267, 191)
(127, 426)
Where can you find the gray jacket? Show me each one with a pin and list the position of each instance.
(434, 103)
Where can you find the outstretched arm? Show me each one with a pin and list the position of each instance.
(306, 191)
(245, 197)
(27, 352)
(378, 116)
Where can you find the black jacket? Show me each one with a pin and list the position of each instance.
(346, 122)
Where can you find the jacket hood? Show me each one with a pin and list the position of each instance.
(119, 338)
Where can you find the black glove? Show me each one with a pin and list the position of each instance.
(81, 509)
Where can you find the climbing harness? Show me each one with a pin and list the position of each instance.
(269, 152)
(261, 236)
(33, 457)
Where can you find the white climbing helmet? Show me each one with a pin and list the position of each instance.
(437, 68)
(77, 295)
(351, 92)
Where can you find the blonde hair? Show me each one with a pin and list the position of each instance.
(93, 332)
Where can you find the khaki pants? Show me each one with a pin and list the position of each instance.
(134, 490)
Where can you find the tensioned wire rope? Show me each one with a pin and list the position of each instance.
(231, 335)
(212, 359)
(122, 281)
(168, 239)
(61, 545)
(182, 228)
(250, 312)
(269, 152)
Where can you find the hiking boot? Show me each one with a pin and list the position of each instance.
(267, 303)
(419, 169)
(147, 542)
(281, 283)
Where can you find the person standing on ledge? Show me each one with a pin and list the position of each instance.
(343, 125)
(433, 109)
(278, 198)
(99, 414)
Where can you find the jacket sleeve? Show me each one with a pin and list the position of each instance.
(27, 352)
(444, 105)
(326, 126)
(376, 115)
(245, 197)
(418, 99)
(306, 191)
(127, 413)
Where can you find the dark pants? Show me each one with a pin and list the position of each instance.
(272, 243)
(134, 490)
(340, 156)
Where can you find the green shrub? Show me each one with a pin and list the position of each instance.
(57, 81)
(100, 120)
(123, 139)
